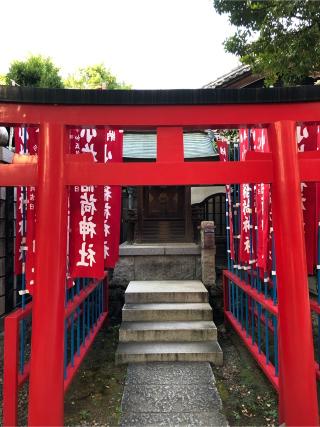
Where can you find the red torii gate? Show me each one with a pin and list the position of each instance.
(169, 112)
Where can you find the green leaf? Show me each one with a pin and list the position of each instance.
(277, 38)
(36, 71)
(94, 77)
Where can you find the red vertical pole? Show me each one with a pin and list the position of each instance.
(297, 381)
(10, 374)
(46, 370)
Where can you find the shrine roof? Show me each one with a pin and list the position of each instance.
(30, 95)
(144, 145)
(233, 75)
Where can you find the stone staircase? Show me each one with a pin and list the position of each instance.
(165, 321)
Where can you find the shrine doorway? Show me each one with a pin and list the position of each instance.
(164, 214)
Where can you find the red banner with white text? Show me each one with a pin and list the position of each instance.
(307, 141)
(113, 148)
(20, 137)
(86, 258)
(33, 142)
(26, 141)
(262, 192)
(223, 149)
(95, 212)
(316, 258)
(246, 250)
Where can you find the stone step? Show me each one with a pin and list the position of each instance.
(169, 352)
(167, 331)
(166, 291)
(166, 312)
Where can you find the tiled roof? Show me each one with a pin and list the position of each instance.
(143, 145)
(228, 77)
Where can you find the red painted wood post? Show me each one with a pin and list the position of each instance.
(46, 374)
(10, 374)
(298, 404)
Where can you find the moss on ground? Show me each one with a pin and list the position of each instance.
(248, 397)
(94, 397)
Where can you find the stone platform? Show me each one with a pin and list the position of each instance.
(138, 249)
(165, 261)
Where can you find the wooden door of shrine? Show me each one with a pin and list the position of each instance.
(164, 214)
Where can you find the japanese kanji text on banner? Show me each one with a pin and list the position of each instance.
(94, 210)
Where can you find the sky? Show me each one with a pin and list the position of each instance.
(150, 44)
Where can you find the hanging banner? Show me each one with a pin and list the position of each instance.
(86, 255)
(245, 207)
(26, 141)
(113, 148)
(223, 149)
(260, 144)
(20, 137)
(317, 201)
(33, 142)
(307, 141)
(269, 265)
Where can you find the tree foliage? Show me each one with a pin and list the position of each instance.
(277, 38)
(36, 71)
(93, 77)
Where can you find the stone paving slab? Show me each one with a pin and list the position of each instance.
(170, 398)
(170, 373)
(150, 419)
(171, 394)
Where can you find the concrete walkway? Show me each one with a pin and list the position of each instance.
(171, 394)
